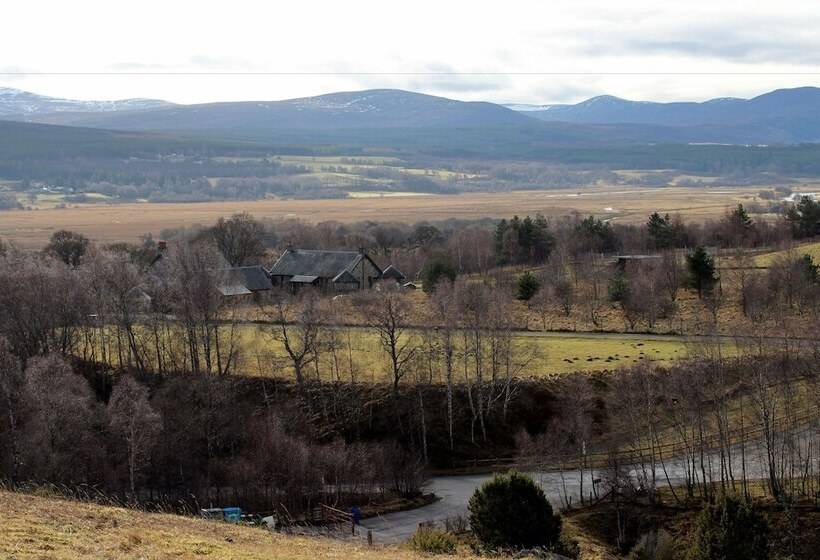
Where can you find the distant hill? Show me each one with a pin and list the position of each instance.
(23, 141)
(784, 115)
(389, 118)
(16, 104)
(372, 109)
(39, 151)
(601, 131)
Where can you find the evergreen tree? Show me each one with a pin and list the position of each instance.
(597, 235)
(511, 511)
(434, 272)
(523, 241)
(804, 218)
(660, 230)
(618, 288)
(528, 286)
(740, 219)
(501, 255)
(701, 267)
(542, 240)
(730, 529)
(811, 271)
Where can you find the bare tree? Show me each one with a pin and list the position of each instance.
(299, 334)
(42, 305)
(594, 288)
(117, 286)
(194, 297)
(445, 308)
(474, 305)
(59, 435)
(561, 286)
(240, 239)
(673, 273)
(11, 385)
(542, 304)
(68, 246)
(134, 420)
(389, 313)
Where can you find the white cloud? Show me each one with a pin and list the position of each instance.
(574, 48)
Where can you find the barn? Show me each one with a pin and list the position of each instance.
(340, 271)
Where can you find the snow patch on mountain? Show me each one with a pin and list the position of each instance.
(15, 102)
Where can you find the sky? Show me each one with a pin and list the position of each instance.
(515, 51)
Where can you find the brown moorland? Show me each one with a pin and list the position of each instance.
(108, 223)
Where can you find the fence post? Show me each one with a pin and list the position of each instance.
(369, 537)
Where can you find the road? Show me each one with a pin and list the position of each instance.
(455, 492)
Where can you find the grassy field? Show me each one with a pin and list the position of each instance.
(812, 249)
(126, 222)
(46, 527)
(39, 528)
(535, 354)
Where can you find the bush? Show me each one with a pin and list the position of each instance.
(434, 272)
(528, 286)
(511, 511)
(730, 529)
(657, 545)
(433, 541)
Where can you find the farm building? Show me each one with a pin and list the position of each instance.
(243, 281)
(328, 270)
(393, 273)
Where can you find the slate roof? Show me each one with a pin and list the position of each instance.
(308, 262)
(393, 273)
(234, 290)
(345, 277)
(244, 280)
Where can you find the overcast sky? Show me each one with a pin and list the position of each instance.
(503, 51)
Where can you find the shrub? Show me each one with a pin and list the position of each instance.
(433, 541)
(511, 511)
(730, 529)
(528, 286)
(435, 271)
(657, 545)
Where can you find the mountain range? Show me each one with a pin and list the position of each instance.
(606, 109)
(16, 104)
(385, 116)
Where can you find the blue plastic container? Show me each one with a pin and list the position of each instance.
(232, 514)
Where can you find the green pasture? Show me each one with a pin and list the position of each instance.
(355, 354)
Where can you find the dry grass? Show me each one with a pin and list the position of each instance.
(535, 354)
(39, 528)
(811, 249)
(35, 527)
(126, 222)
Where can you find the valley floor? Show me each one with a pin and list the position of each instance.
(107, 223)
